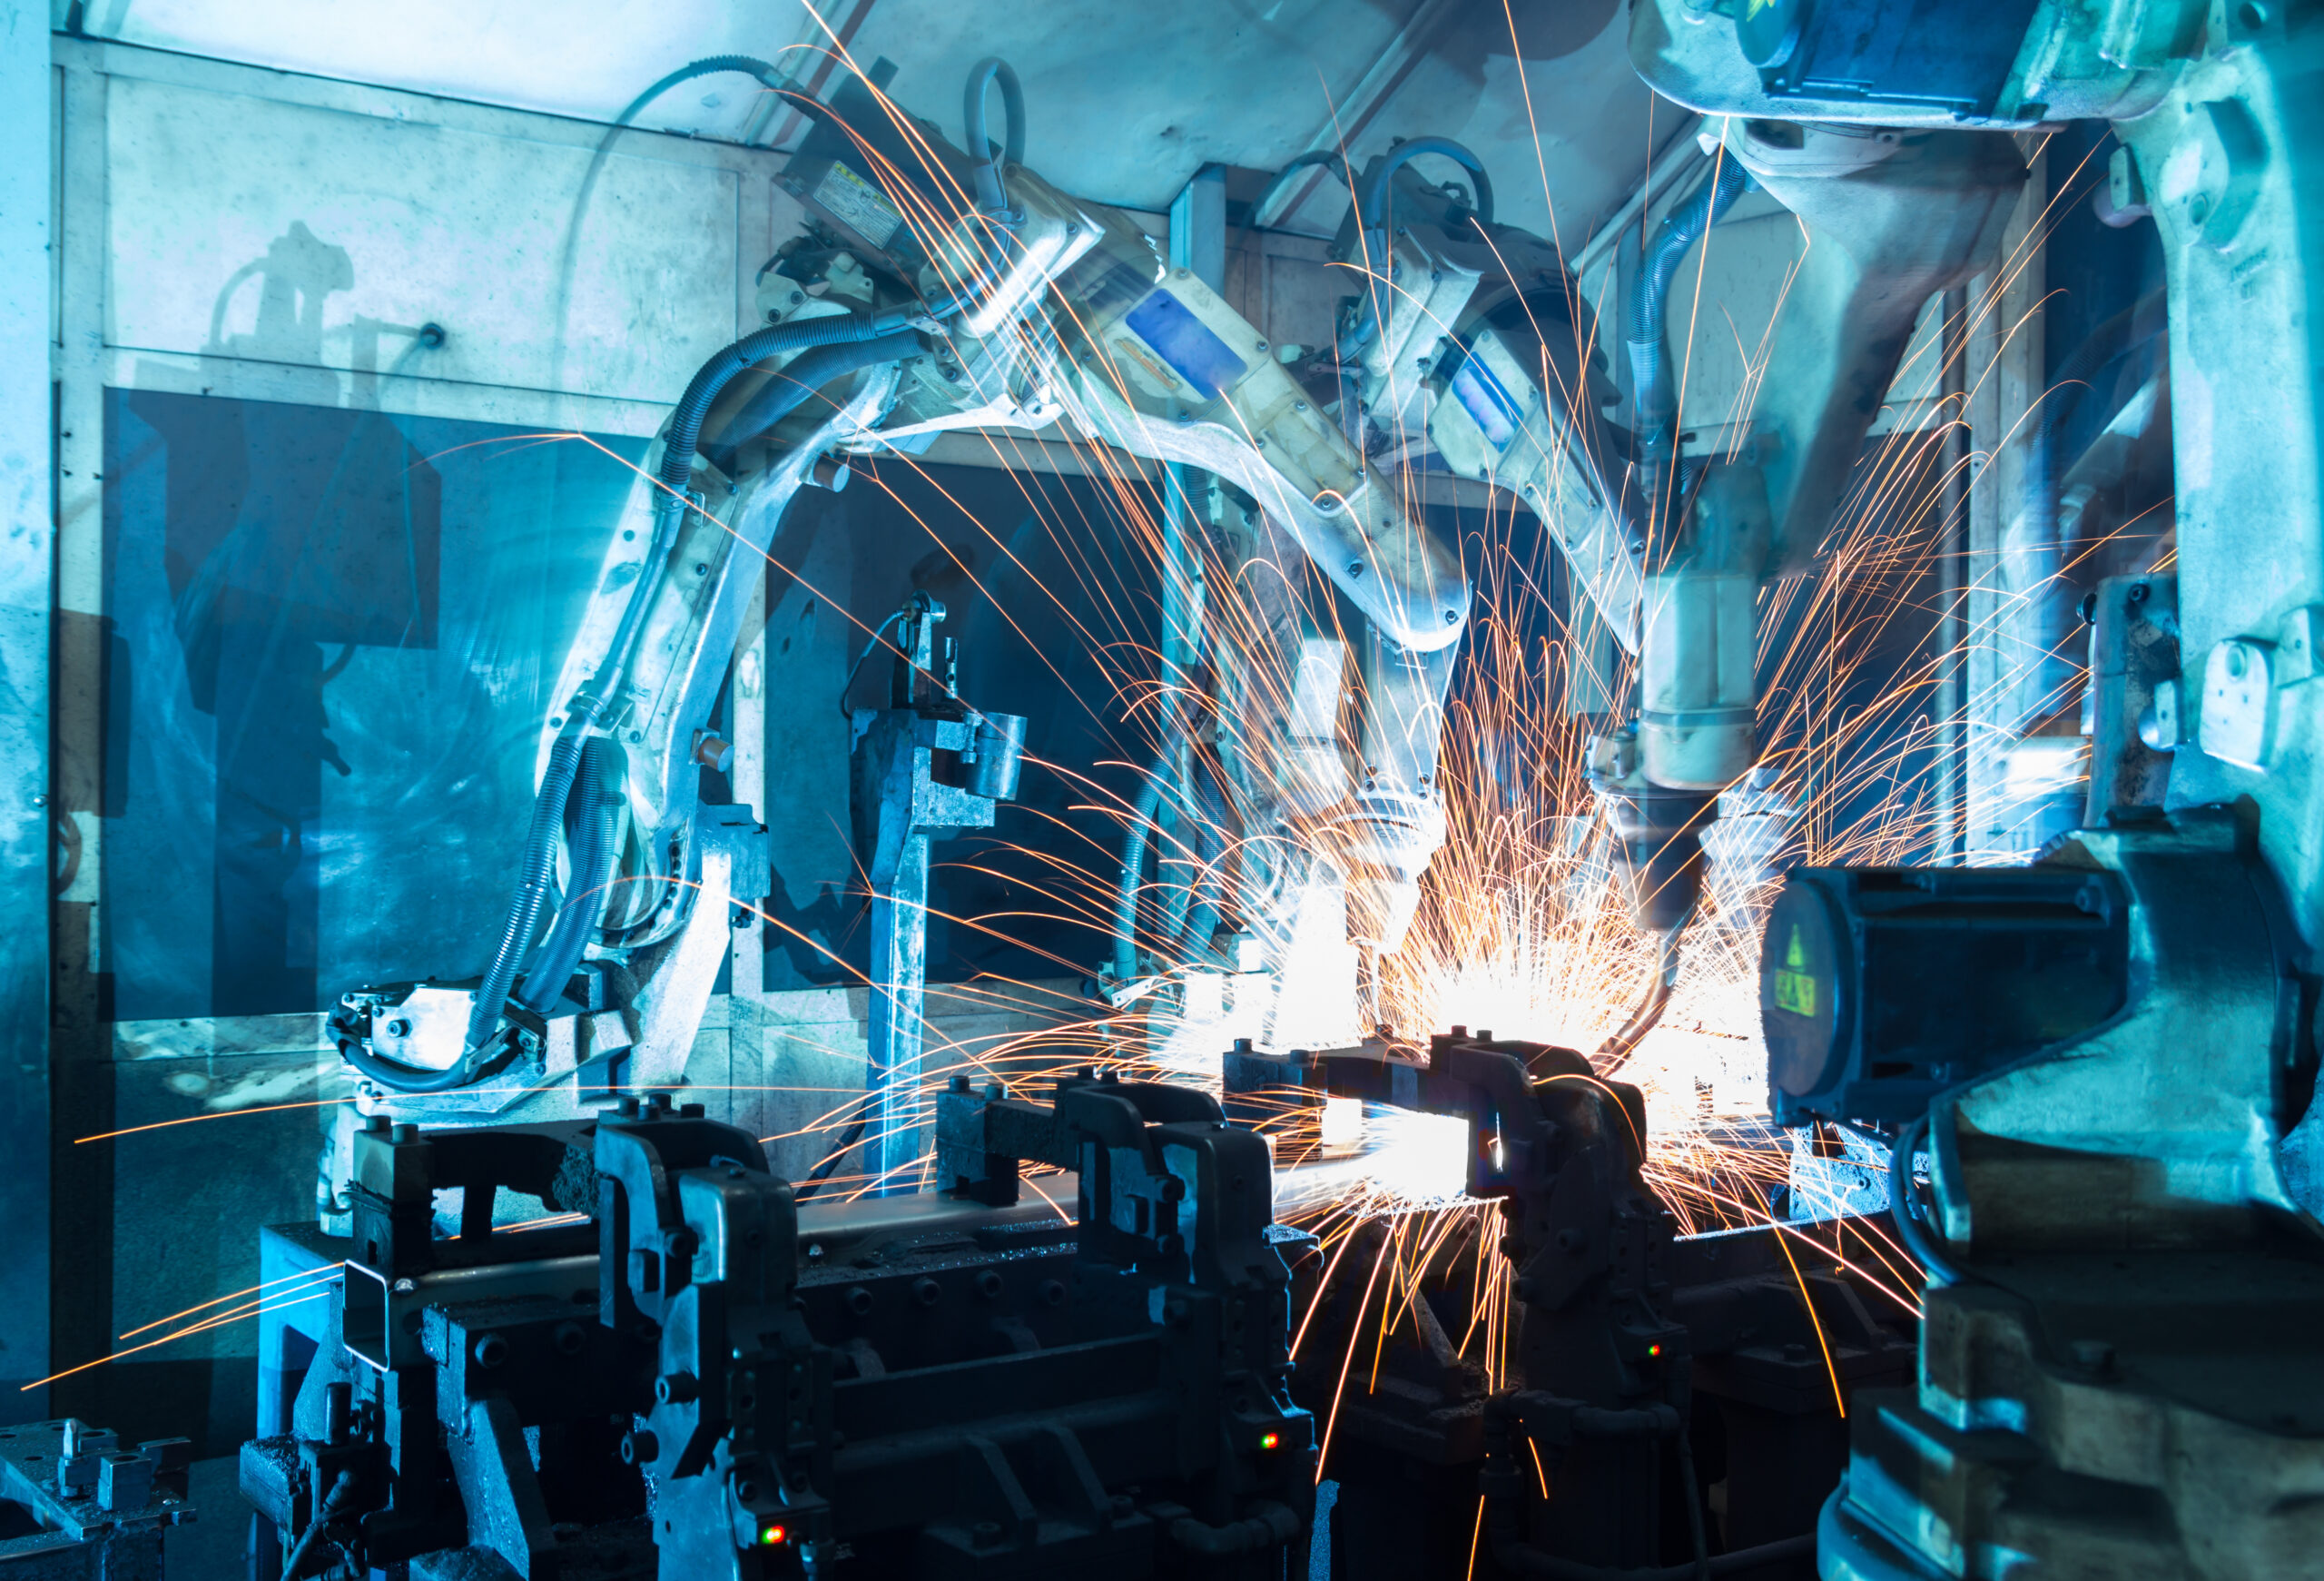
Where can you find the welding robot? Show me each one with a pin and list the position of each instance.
(2092, 1060)
(932, 290)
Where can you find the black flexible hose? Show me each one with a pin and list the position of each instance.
(1648, 1012)
(1404, 152)
(1654, 400)
(341, 1494)
(992, 188)
(593, 828)
(537, 867)
(1904, 1203)
(1372, 211)
(569, 252)
(799, 335)
(535, 878)
(798, 382)
(399, 1078)
(1282, 177)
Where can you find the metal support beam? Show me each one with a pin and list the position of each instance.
(1198, 243)
(27, 557)
(1952, 563)
(2004, 352)
(746, 775)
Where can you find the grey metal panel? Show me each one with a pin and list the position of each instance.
(1124, 103)
(281, 232)
(26, 549)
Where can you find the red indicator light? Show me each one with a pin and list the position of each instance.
(774, 1537)
(1270, 1440)
(1654, 1350)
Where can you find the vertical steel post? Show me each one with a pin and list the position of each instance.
(27, 528)
(1952, 563)
(1198, 245)
(899, 1005)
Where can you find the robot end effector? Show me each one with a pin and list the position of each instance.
(1893, 219)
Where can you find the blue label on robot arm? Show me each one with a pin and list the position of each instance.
(1182, 341)
(1482, 396)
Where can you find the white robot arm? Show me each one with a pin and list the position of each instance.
(932, 292)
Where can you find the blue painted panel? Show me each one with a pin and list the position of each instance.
(1187, 345)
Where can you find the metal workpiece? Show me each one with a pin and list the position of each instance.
(83, 1507)
(701, 1377)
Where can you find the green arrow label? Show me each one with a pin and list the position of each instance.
(1795, 986)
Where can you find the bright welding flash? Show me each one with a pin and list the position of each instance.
(1500, 1151)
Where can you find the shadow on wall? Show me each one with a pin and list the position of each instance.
(341, 625)
(289, 531)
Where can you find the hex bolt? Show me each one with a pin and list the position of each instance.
(677, 1388)
(569, 1340)
(859, 1301)
(639, 1447)
(927, 1291)
(489, 1350)
(988, 1284)
(399, 1028)
(1053, 1292)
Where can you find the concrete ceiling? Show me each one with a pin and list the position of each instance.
(1122, 104)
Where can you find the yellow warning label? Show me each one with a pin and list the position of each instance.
(1795, 987)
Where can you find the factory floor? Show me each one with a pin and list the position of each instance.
(215, 1545)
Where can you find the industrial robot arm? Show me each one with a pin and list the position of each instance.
(931, 291)
(1471, 338)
